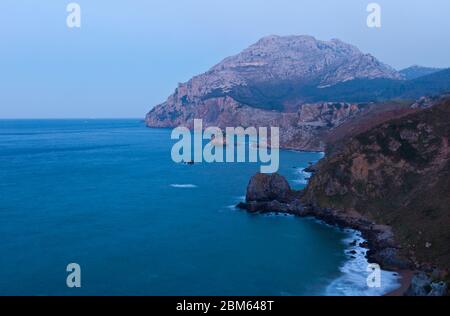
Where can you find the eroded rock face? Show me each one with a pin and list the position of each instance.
(392, 183)
(389, 259)
(302, 129)
(271, 194)
(397, 174)
(263, 85)
(268, 187)
(299, 59)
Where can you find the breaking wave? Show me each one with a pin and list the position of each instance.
(353, 281)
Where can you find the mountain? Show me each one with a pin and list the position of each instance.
(397, 174)
(271, 75)
(305, 86)
(416, 71)
(378, 90)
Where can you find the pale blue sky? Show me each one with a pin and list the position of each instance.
(129, 55)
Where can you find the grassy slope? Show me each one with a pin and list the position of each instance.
(395, 179)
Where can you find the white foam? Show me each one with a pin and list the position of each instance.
(279, 214)
(353, 281)
(303, 176)
(183, 186)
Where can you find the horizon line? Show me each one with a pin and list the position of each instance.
(71, 118)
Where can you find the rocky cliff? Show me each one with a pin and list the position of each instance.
(302, 129)
(390, 181)
(395, 174)
(267, 84)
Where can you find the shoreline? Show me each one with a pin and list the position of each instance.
(376, 240)
(404, 274)
(379, 239)
(354, 278)
(380, 245)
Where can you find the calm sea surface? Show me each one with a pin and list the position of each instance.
(105, 194)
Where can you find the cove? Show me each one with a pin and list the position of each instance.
(105, 194)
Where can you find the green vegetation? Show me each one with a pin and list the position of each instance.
(407, 163)
(274, 95)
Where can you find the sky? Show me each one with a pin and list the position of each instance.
(129, 56)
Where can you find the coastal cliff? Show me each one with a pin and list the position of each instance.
(273, 82)
(396, 174)
(392, 183)
(305, 86)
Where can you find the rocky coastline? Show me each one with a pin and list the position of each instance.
(387, 166)
(272, 194)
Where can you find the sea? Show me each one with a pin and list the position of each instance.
(106, 195)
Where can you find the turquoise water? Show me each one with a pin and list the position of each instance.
(105, 194)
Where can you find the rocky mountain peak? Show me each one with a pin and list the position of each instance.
(295, 60)
(277, 73)
(301, 58)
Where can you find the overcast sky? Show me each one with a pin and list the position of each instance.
(129, 55)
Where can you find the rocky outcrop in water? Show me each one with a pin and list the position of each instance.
(392, 183)
(272, 194)
(268, 187)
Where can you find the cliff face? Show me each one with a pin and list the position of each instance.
(397, 174)
(267, 83)
(302, 128)
(276, 61)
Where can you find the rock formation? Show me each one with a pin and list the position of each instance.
(391, 182)
(266, 84)
(265, 187)
(398, 174)
(305, 86)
